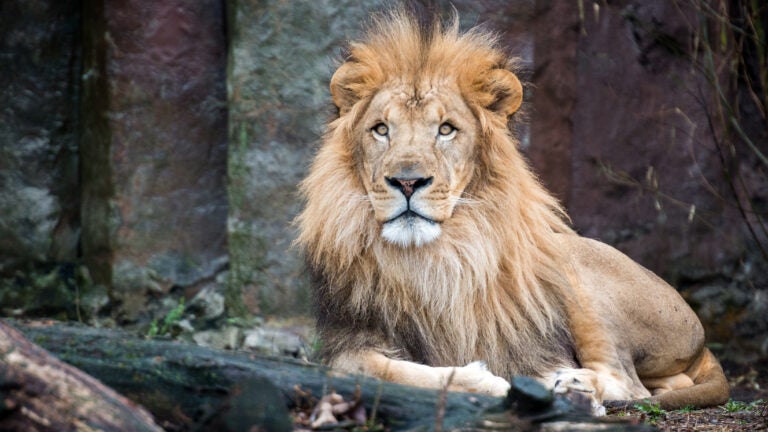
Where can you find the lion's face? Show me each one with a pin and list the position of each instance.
(416, 111)
(415, 159)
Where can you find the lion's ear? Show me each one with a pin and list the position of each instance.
(505, 90)
(345, 86)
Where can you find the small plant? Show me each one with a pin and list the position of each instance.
(652, 411)
(687, 409)
(735, 406)
(173, 317)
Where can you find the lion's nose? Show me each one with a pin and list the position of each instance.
(408, 186)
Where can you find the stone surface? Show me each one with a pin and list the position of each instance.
(224, 338)
(633, 90)
(278, 341)
(555, 29)
(280, 65)
(208, 303)
(39, 65)
(621, 133)
(154, 147)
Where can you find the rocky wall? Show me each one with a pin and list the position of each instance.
(153, 148)
(39, 64)
(116, 151)
(39, 196)
(626, 132)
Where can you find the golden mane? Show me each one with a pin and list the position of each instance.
(493, 285)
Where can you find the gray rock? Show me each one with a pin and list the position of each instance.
(280, 65)
(224, 338)
(39, 205)
(275, 341)
(208, 303)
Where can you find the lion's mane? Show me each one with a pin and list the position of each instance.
(493, 286)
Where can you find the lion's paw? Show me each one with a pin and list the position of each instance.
(476, 378)
(579, 384)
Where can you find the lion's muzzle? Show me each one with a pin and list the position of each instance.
(408, 186)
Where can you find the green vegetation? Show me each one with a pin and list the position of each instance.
(736, 406)
(651, 410)
(167, 324)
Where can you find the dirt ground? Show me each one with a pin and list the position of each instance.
(746, 411)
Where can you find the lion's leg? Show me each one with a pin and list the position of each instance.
(473, 377)
(702, 384)
(607, 371)
(597, 385)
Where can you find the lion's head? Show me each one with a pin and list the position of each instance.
(419, 207)
(415, 115)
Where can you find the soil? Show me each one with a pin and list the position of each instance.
(746, 411)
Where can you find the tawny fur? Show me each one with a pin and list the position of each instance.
(506, 281)
(485, 289)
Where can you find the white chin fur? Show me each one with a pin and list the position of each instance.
(410, 231)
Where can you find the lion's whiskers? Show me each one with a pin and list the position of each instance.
(358, 198)
(468, 201)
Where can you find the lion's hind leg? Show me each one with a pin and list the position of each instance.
(703, 384)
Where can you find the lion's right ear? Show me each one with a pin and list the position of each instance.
(504, 91)
(346, 86)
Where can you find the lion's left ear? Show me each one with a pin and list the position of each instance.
(505, 91)
(346, 86)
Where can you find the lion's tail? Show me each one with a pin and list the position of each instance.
(710, 387)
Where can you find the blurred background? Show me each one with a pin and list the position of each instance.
(150, 151)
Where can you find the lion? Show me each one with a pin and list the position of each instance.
(439, 260)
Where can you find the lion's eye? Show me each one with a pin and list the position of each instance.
(446, 129)
(380, 129)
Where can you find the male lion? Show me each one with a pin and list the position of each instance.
(432, 245)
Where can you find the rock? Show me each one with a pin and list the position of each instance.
(208, 304)
(224, 338)
(281, 62)
(154, 143)
(276, 341)
(39, 204)
(621, 133)
(623, 142)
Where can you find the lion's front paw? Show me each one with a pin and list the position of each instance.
(579, 384)
(476, 378)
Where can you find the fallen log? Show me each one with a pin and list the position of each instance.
(191, 388)
(188, 387)
(38, 392)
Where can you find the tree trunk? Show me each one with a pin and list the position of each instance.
(38, 392)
